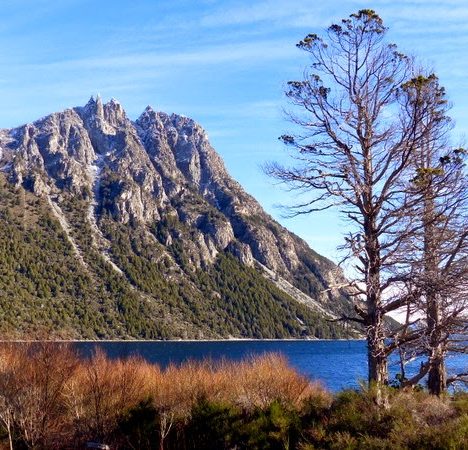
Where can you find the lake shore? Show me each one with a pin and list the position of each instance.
(256, 403)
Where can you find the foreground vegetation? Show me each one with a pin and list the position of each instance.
(52, 399)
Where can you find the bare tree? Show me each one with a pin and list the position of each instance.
(9, 390)
(433, 259)
(358, 135)
(32, 376)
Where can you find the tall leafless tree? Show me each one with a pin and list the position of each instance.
(358, 136)
(433, 259)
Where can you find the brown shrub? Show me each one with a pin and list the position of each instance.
(102, 390)
(258, 381)
(425, 409)
(50, 398)
(32, 380)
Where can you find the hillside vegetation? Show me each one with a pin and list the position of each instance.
(50, 288)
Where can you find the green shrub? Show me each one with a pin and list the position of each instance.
(275, 427)
(139, 426)
(213, 426)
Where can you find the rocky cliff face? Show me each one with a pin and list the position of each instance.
(159, 178)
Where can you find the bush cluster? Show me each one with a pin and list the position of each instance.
(50, 398)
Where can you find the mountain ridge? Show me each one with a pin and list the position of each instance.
(156, 187)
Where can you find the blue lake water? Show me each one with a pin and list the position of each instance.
(337, 364)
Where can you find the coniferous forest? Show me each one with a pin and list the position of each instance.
(45, 292)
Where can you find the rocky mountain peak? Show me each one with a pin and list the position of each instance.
(161, 176)
(94, 108)
(106, 118)
(114, 114)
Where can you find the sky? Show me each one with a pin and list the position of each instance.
(223, 63)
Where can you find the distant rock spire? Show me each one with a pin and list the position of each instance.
(114, 113)
(99, 106)
(94, 107)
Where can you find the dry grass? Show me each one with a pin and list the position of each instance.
(427, 410)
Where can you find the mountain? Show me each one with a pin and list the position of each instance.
(113, 228)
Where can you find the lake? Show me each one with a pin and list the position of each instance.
(337, 364)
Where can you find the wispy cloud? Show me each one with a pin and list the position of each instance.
(314, 14)
(257, 52)
(271, 11)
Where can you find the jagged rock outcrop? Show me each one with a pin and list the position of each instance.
(160, 175)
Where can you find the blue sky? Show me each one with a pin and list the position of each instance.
(223, 63)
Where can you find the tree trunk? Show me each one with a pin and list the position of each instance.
(377, 359)
(437, 377)
(376, 352)
(376, 356)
